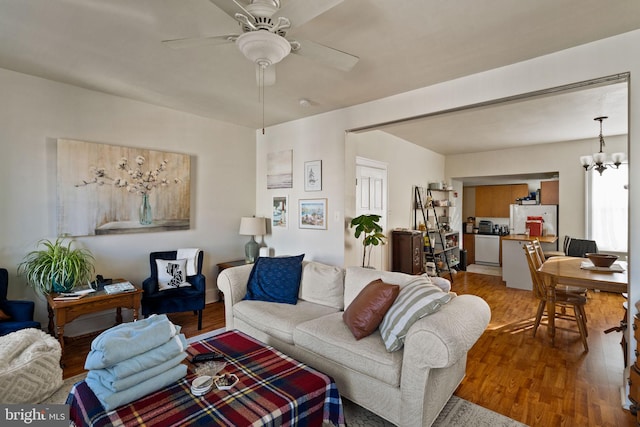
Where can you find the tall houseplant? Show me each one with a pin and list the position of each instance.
(56, 267)
(368, 227)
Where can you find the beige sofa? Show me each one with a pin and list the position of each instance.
(408, 387)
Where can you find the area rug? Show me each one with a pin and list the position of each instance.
(456, 413)
(484, 269)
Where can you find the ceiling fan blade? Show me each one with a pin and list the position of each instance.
(266, 76)
(326, 55)
(199, 41)
(301, 11)
(231, 7)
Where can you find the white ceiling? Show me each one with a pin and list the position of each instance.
(114, 46)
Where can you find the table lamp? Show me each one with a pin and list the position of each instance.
(251, 226)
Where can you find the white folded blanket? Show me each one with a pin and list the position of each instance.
(127, 340)
(111, 400)
(175, 346)
(120, 384)
(191, 255)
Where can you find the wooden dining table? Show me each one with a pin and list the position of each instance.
(566, 270)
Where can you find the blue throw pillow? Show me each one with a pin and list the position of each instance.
(275, 279)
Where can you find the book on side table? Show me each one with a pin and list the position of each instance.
(118, 288)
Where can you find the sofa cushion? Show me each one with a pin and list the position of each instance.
(356, 278)
(322, 284)
(330, 338)
(278, 320)
(275, 279)
(366, 311)
(417, 299)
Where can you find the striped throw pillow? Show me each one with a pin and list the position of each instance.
(416, 300)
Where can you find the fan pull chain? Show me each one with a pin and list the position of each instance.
(261, 91)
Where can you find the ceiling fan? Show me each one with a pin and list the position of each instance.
(263, 39)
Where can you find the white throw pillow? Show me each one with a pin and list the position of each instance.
(322, 284)
(416, 299)
(172, 273)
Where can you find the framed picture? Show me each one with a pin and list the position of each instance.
(313, 214)
(280, 169)
(280, 214)
(111, 189)
(313, 175)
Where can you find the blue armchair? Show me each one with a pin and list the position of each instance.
(20, 312)
(173, 300)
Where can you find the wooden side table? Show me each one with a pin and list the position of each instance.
(66, 311)
(229, 264)
(223, 266)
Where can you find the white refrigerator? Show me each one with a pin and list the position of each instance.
(520, 213)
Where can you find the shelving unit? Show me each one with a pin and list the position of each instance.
(442, 245)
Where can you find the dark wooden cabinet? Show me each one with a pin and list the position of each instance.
(469, 244)
(407, 251)
(634, 375)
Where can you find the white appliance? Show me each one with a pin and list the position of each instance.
(519, 213)
(487, 249)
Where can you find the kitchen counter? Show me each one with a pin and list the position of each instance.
(524, 237)
(515, 270)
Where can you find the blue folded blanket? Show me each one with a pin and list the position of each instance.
(175, 346)
(121, 384)
(127, 340)
(111, 400)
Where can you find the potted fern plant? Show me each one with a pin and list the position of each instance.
(371, 231)
(56, 267)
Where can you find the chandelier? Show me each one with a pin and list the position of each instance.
(598, 161)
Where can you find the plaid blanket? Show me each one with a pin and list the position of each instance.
(273, 390)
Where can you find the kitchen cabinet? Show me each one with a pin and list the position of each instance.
(549, 193)
(407, 251)
(469, 244)
(492, 201)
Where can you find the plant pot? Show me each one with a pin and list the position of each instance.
(66, 287)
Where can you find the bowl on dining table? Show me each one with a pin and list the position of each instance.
(601, 260)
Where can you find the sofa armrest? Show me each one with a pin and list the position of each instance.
(443, 338)
(232, 282)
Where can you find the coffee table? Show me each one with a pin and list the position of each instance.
(273, 390)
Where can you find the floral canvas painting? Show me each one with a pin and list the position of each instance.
(109, 189)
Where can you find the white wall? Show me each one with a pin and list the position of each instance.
(326, 132)
(408, 165)
(562, 157)
(35, 112)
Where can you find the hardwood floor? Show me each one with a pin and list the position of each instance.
(508, 370)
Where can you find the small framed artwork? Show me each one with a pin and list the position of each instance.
(312, 213)
(313, 175)
(280, 214)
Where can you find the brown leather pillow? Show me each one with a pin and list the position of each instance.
(366, 311)
(4, 316)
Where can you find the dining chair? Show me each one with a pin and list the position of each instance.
(541, 257)
(566, 300)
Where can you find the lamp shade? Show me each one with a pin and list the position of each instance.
(250, 226)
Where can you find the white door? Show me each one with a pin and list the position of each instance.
(371, 198)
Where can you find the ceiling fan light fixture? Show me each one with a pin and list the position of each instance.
(263, 47)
